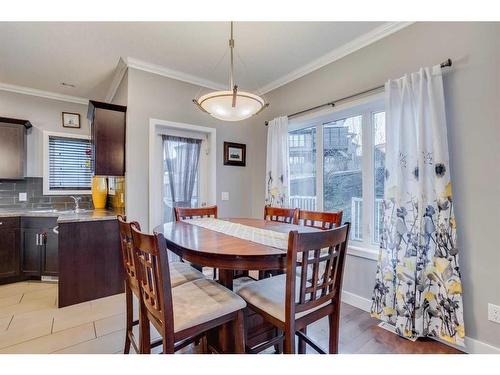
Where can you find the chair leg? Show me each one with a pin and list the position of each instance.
(302, 343)
(129, 318)
(144, 333)
(333, 335)
(289, 344)
(239, 333)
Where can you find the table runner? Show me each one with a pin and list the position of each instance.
(262, 236)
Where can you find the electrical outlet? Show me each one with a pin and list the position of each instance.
(225, 196)
(493, 313)
(23, 197)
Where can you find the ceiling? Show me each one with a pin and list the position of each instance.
(268, 54)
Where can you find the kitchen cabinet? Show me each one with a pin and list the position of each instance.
(13, 148)
(9, 248)
(40, 247)
(107, 128)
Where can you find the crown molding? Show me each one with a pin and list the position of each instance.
(42, 94)
(338, 53)
(120, 70)
(175, 74)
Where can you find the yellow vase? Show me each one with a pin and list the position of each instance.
(99, 191)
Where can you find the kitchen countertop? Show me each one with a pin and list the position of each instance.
(66, 216)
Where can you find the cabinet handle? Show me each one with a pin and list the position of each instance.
(37, 239)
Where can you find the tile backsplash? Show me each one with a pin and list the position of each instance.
(33, 186)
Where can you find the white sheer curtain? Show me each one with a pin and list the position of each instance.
(180, 158)
(277, 163)
(418, 287)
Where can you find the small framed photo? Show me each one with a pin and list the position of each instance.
(235, 154)
(71, 120)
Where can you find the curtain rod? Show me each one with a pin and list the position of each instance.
(444, 64)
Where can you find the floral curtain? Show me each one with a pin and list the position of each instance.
(277, 163)
(418, 287)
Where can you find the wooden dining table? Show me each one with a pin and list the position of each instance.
(228, 254)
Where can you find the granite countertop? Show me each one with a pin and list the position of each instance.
(66, 216)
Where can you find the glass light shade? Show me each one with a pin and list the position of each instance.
(219, 104)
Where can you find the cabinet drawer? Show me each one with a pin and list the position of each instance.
(9, 222)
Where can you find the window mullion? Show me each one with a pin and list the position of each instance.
(319, 167)
(367, 177)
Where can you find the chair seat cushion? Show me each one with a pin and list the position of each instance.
(181, 273)
(202, 300)
(269, 295)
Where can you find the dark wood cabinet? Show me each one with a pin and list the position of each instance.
(9, 247)
(39, 247)
(31, 253)
(107, 124)
(13, 148)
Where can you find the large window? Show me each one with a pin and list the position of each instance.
(350, 166)
(67, 168)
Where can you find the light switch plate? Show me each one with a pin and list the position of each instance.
(493, 313)
(23, 197)
(225, 196)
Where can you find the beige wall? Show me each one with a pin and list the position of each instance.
(44, 114)
(155, 96)
(472, 89)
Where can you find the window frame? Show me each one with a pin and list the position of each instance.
(46, 187)
(366, 107)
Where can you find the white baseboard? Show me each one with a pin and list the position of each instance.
(472, 346)
(357, 301)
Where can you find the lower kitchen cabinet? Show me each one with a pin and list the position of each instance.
(9, 247)
(28, 248)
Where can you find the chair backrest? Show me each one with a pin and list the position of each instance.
(284, 215)
(190, 213)
(153, 274)
(320, 251)
(320, 220)
(128, 253)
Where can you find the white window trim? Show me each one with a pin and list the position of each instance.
(365, 106)
(157, 128)
(46, 189)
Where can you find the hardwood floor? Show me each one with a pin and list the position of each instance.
(30, 322)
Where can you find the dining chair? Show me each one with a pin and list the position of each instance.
(182, 213)
(180, 273)
(320, 220)
(279, 214)
(184, 313)
(290, 302)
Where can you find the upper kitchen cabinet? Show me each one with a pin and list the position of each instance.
(13, 148)
(107, 123)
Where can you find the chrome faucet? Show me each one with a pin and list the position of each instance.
(77, 200)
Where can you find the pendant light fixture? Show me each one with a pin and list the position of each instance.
(231, 105)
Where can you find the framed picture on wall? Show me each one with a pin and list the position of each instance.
(235, 154)
(70, 120)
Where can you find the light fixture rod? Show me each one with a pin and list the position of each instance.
(231, 47)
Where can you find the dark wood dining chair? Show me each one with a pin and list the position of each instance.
(180, 273)
(283, 215)
(182, 213)
(290, 302)
(184, 313)
(320, 220)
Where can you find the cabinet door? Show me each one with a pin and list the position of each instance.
(32, 257)
(50, 263)
(9, 252)
(108, 131)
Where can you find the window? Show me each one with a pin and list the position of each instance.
(67, 167)
(350, 167)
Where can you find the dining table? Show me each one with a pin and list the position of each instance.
(229, 253)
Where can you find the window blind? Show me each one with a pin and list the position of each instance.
(69, 164)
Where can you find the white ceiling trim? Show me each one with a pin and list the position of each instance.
(348, 48)
(120, 70)
(42, 94)
(175, 74)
